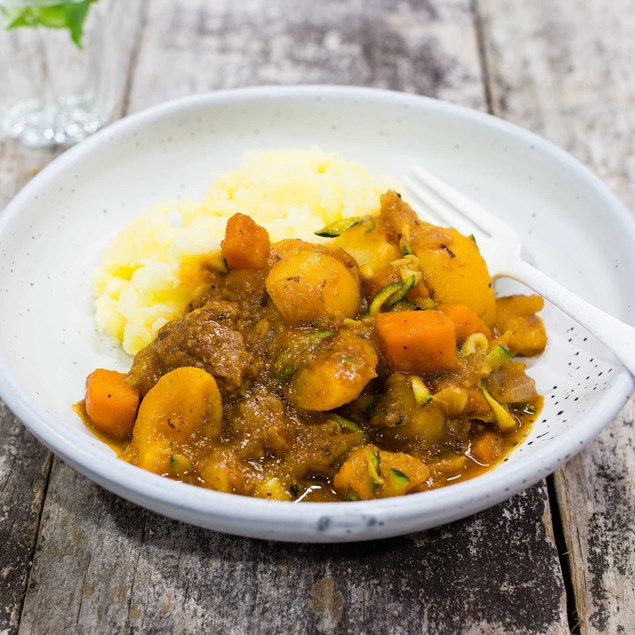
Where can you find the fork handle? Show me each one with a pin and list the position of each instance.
(616, 335)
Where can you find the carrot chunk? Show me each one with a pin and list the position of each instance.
(111, 403)
(466, 321)
(418, 341)
(246, 244)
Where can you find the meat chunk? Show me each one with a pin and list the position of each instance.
(204, 338)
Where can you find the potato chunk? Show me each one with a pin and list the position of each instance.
(516, 314)
(455, 272)
(313, 285)
(334, 376)
(372, 473)
(184, 405)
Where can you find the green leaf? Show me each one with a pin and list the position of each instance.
(65, 15)
(75, 17)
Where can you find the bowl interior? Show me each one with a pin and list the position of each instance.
(53, 233)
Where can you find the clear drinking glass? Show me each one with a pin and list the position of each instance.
(52, 91)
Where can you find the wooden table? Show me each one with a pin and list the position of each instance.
(558, 557)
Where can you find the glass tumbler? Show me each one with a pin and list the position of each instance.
(55, 91)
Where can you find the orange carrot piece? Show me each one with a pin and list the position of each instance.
(246, 244)
(418, 341)
(111, 403)
(466, 320)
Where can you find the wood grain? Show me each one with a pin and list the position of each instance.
(103, 565)
(24, 463)
(564, 70)
(428, 47)
(24, 470)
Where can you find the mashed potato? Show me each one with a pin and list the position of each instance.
(142, 281)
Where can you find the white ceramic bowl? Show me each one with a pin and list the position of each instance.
(51, 236)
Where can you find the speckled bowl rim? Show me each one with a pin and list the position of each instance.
(311, 522)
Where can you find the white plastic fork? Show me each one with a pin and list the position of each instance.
(501, 248)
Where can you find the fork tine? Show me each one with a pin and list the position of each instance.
(471, 210)
(438, 207)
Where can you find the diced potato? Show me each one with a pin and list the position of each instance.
(367, 247)
(455, 272)
(516, 315)
(223, 472)
(402, 422)
(334, 376)
(313, 285)
(184, 404)
(372, 473)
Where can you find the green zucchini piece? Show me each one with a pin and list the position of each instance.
(473, 343)
(286, 373)
(405, 305)
(218, 264)
(403, 292)
(322, 334)
(352, 496)
(398, 481)
(426, 304)
(422, 395)
(179, 464)
(382, 297)
(339, 227)
(372, 458)
(498, 356)
(347, 424)
(504, 419)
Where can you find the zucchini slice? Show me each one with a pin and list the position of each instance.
(382, 297)
(339, 227)
(347, 424)
(504, 419)
(498, 356)
(422, 395)
(398, 481)
(401, 293)
(372, 458)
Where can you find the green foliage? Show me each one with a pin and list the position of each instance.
(65, 15)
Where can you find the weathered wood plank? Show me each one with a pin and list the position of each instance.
(564, 70)
(424, 47)
(24, 463)
(24, 470)
(103, 565)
